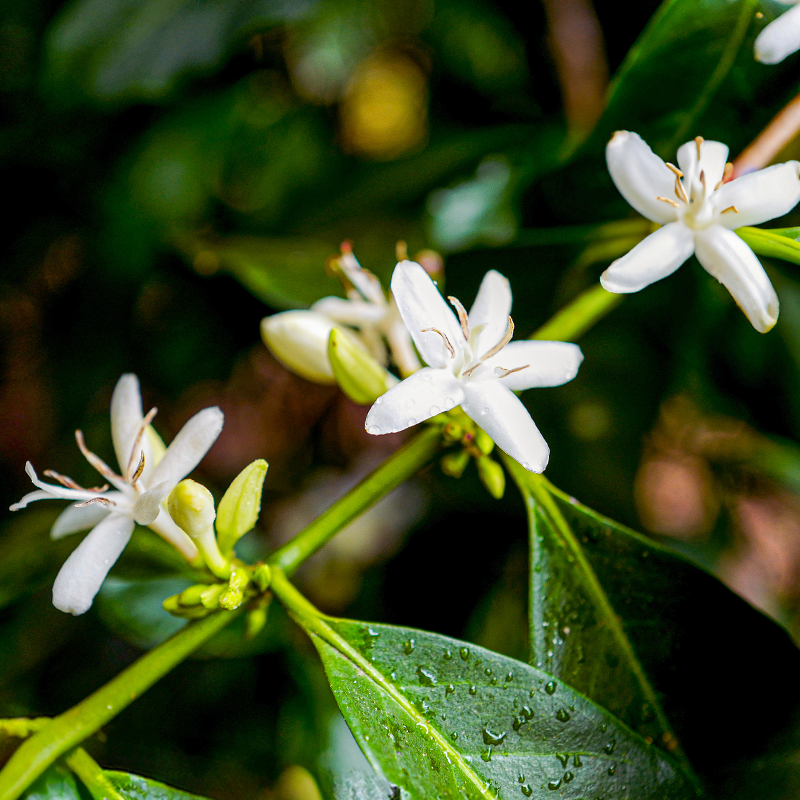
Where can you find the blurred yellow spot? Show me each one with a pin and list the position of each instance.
(206, 262)
(296, 783)
(385, 110)
(590, 421)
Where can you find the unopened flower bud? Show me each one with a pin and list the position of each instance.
(174, 606)
(191, 506)
(299, 340)
(255, 622)
(492, 476)
(483, 441)
(240, 505)
(454, 464)
(452, 432)
(233, 596)
(262, 575)
(358, 374)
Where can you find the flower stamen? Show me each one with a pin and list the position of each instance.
(462, 315)
(446, 340)
(507, 336)
(730, 208)
(668, 200)
(698, 140)
(502, 372)
(680, 192)
(95, 460)
(64, 480)
(139, 470)
(103, 500)
(134, 449)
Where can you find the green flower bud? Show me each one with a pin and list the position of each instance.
(173, 606)
(255, 622)
(454, 464)
(193, 595)
(358, 374)
(233, 596)
(452, 432)
(262, 575)
(493, 477)
(210, 597)
(191, 506)
(240, 506)
(299, 340)
(483, 441)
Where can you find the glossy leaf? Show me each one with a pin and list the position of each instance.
(648, 635)
(135, 787)
(55, 784)
(783, 243)
(441, 718)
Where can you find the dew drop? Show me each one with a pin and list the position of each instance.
(550, 687)
(449, 689)
(484, 411)
(562, 715)
(464, 653)
(568, 776)
(610, 747)
(562, 759)
(526, 789)
(494, 739)
(518, 722)
(448, 654)
(454, 735)
(426, 677)
(612, 769)
(473, 689)
(487, 756)
(526, 465)
(434, 411)
(509, 677)
(488, 670)
(395, 430)
(411, 402)
(374, 430)
(106, 560)
(409, 646)
(493, 681)
(576, 761)
(378, 401)
(412, 421)
(449, 403)
(427, 377)
(553, 785)
(527, 712)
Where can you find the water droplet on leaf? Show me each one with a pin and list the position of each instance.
(426, 677)
(489, 737)
(550, 687)
(409, 646)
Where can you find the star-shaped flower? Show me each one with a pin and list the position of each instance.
(148, 473)
(781, 37)
(473, 364)
(699, 211)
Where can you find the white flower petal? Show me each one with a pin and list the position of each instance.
(657, 256)
(422, 395)
(299, 340)
(545, 364)
(503, 416)
(780, 38)
(126, 417)
(193, 441)
(350, 312)
(641, 176)
(51, 490)
(76, 518)
(488, 317)
(365, 282)
(84, 571)
(760, 196)
(31, 497)
(166, 528)
(148, 505)
(422, 307)
(713, 156)
(725, 256)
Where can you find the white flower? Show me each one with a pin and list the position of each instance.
(781, 37)
(367, 309)
(699, 213)
(472, 363)
(147, 475)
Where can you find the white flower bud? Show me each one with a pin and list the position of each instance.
(299, 340)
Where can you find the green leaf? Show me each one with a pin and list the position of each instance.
(137, 788)
(692, 72)
(441, 718)
(55, 784)
(131, 50)
(781, 243)
(649, 636)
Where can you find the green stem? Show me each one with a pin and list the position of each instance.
(572, 321)
(397, 469)
(92, 775)
(69, 729)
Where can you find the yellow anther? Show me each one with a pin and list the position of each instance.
(730, 208)
(462, 316)
(668, 200)
(698, 140)
(674, 169)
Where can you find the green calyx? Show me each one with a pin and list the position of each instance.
(358, 374)
(240, 505)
